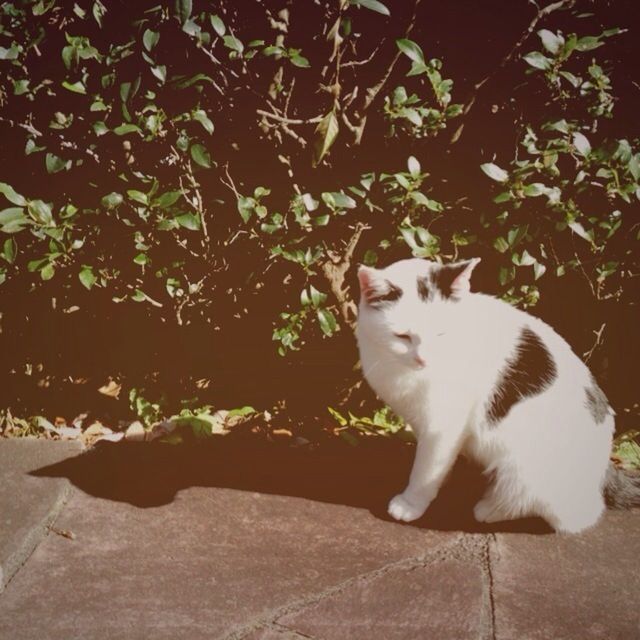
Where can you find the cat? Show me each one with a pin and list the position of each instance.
(476, 376)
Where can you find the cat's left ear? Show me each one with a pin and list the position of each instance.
(454, 280)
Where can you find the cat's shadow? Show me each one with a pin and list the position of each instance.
(364, 476)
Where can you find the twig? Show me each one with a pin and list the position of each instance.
(279, 118)
(28, 127)
(587, 354)
(542, 13)
(372, 92)
(357, 63)
(231, 184)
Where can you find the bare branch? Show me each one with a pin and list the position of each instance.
(279, 118)
(542, 13)
(335, 272)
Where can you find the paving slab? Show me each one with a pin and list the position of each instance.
(203, 555)
(569, 587)
(443, 600)
(27, 504)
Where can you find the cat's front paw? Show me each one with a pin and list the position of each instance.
(401, 508)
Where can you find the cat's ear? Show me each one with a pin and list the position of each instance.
(367, 276)
(454, 280)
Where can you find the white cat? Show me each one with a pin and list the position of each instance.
(473, 375)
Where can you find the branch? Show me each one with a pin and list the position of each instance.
(542, 13)
(279, 118)
(372, 92)
(335, 272)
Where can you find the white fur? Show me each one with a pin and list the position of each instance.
(548, 455)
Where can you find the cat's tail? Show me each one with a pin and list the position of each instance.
(621, 488)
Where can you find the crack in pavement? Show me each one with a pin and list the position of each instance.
(487, 618)
(467, 547)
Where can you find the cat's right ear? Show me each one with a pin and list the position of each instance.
(367, 279)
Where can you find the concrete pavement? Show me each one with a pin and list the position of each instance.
(240, 538)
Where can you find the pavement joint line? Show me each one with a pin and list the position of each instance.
(439, 554)
(33, 539)
(487, 618)
(281, 628)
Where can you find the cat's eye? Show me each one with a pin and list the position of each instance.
(403, 336)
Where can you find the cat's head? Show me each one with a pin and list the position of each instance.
(409, 304)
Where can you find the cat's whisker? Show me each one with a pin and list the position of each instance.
(371, 368)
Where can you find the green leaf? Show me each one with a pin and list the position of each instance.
(310, 203)
(500, 244)
(300, 61)
(11, 53)
(326, 133)
(55, 163)
(98, 10)
(100, 128)
(183, 10)
(411, 49)
(317, 298)
(218, 25)
(327, 320)
(634, 166)
(47, 272)
(160, 72)
(141, 259)
(245, 207)
(338, 200)
(201, 116)
(578, 229)
(9, 250)
(538, 270)
(124, 129)
(495, 172)
(112, 200)
(40, 211)
(241, 411)
(138, 196)
(189, 221)
(201, 156)
(374, 5)
(535, 189)
(234, 44)
(588, 43)
(537, 60)
(414, 167)
(581, 144)
(167, 199)
(11, 195)
(515, 235)
(551, 42)
(87, 277)
(76, 87)
(150, 39)
(13, 220)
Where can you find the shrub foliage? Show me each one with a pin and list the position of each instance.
(186, 186)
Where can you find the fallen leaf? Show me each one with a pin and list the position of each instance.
(111, 389)
(135, 432)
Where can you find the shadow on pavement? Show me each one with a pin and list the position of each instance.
(366, 476)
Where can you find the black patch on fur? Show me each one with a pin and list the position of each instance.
(443, 277)
(385, 297)
(529, 372)
(597, 402)
(423, 289)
